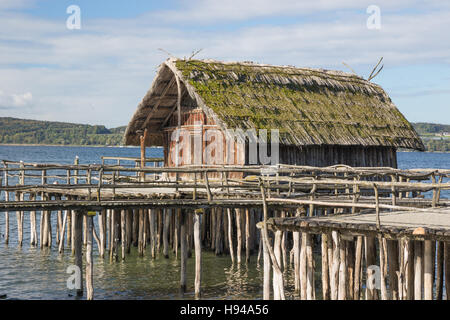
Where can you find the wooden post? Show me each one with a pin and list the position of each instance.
(439, 270)
(418, 270)
(183, 251)
(370, 252)
(447, 269)
(63, 229)
(247, 235)
(342, 291)
(325, 268)
(310, 288)
(198, 253)
(142, 139)
(152, 218)
(78, 245)
(6, 212)
(141, 233)
(128, 226)
(334, 279)
(267, 270)
(89, 261)
(230, 235)
(303, 267)
(392, 253)
(167, 218)
(358, 269)
(384, 294)
(101, 228)
(296, 240)
(277, 252)
(428, 269)
(123, 236)
(410, 271)
(238, 235)
(33, 231)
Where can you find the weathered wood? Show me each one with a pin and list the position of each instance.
(439, 270)
(198, 254)
(247, 235)
(128, 227)
(393, 253)
(183, 247)
(89, 260)
(101, 228)
(310, 287)
(447, 269)
(370, 254)
(277, 253)
(358, 268)
(63, 229)
(77, 220)
(141, 233)
(325, 268)
(334, 278)
(230, 234)
(428, 269)
(167, 218)
(303, 267)
(418, 255)
(342, 291)
(238, 236)
(123, 232)
(382, 251)
(33, 230)
(152, 223)
(267, 271)
(410, 271)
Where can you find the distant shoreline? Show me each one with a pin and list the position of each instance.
(65, 145)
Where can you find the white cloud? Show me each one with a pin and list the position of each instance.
(15, 100)
(100, 73)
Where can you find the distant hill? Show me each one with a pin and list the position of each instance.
(436, 137)
(20, 131)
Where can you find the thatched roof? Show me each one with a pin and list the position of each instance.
(308, 106)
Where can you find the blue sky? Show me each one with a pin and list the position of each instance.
(99, 74)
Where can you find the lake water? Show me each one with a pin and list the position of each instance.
(29, 273)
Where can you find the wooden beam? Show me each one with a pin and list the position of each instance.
(155, 108)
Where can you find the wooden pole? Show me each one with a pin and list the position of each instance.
(428, 269)
(267, 270)
(303, 268)
(230, 235)
(277, 252)
(33, 231)
(392, 253)
(342, 291)
(123, 236)
(101, 228)
(384, 293)
(141, 233)
(78, 245)
(89, 261)
(447, 269)
(334, 279)
(183, 251)
(247, 235)
(167, 218)
(128, 226)
(238, 235)
(325, 268)
(358, 268)
(439, 270)
(63, 229)
(152, 219)
(417, 270)
(198, 253)
(296, 247)
(310, 288)
(410, 271)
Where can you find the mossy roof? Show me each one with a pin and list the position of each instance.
(307, 106)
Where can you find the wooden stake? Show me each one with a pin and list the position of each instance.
(439, 270)
(183, 251)
(310, 288)
(428, 269)
(78, 245)
(392, 253)
(358, 268)
(342, 293)
(334, 279)
(325, 268)
(89, 261)
(198, 254)
(230, 235)
(167, 218)
(61, 242)
(447, 269)
(267, 270)
(384, 293)
(123, 236)
(239, 235)
(418, 270)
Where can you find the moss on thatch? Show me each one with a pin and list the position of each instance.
(307, 106)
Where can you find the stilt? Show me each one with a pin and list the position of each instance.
(392, 253)
(101, 228)
(183, 251)
(123, 236)
(152, 218)
(238, 235)
(198, 254)
(267, 270)
(6, 213)
(167, 218)
(296, 247)
(428, 269)
(141, 233)
(410, 271)
(342, 291)
(417, 270)
(447, 269)
(384, 293)
(128, 227)
(358, 268)
(63, 229)
(325, 268)
(33, 231)
(370, 252)
(334, 279)
(247, 235)
(89, 261)
(277, 253)
(78, 245)
(303, 267)
(310, 287)
(230, 235)
(439, 270)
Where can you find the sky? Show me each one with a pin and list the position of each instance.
(98, 73)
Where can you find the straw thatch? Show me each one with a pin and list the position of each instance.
(308, 106)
